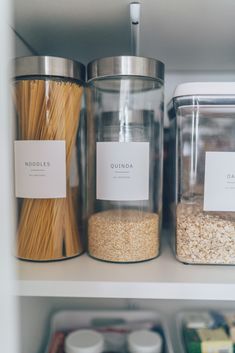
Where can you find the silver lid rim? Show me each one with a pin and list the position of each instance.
(26, 66)
(125, 66)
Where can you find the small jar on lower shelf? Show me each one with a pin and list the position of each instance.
(84, 341)
(144, 341)
(125, 144)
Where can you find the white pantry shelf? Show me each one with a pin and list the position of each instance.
(162, 278)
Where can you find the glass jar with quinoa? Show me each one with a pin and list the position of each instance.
(125, 144)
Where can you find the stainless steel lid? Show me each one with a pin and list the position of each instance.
(49, 66)
(125, 66)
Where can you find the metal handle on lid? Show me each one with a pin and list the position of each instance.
(135, 27)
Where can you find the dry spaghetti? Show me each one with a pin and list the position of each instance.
(49, 110)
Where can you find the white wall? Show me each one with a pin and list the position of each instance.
(20, 49)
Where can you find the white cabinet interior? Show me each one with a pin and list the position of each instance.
(185, 34)
(196, 41)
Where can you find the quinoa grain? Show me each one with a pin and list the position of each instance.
(123, 235)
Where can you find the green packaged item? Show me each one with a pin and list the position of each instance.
(206, 340)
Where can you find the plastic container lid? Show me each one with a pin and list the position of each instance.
(197, 320)
(144, 341)
(205, 88)
(84, 341)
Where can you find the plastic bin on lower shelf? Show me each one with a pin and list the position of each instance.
(206, 331)
(67, 321)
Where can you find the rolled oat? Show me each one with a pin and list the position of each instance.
(204, 238)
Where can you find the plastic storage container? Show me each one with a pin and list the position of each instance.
(115, 321)
(125, 144)
(202, 330)
(48, 95)
(204, 127)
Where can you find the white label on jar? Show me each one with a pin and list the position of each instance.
(219, 186)
(40, 169)
(122, 171)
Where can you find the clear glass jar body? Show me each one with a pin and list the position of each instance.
(205, 154)
(48, 111)
(125, 144)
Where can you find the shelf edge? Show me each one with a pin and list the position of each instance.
(185, 291)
